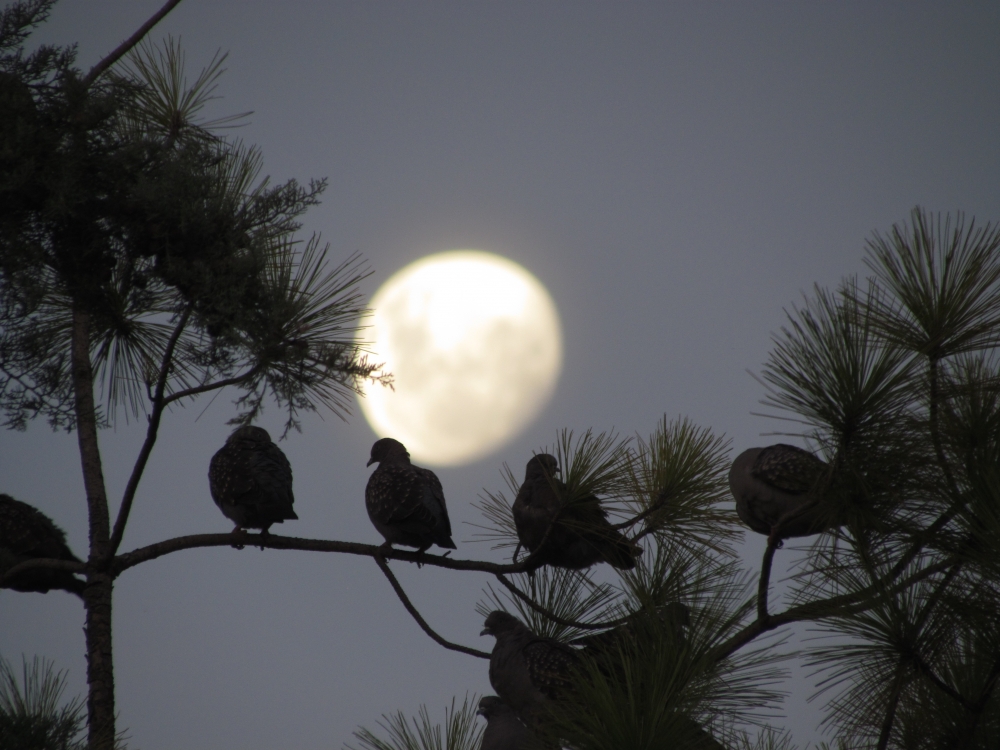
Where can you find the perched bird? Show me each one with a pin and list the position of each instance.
(527, 670)
(775, 490)
(406, 502)
(28, 534)
(504, 731)
(251, 480)
(580, 534)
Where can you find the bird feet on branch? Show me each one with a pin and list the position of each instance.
(239, 535)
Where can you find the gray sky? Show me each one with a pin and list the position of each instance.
(675, 173)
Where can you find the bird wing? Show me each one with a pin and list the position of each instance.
(272, 472)
(550, 665)
(396, 494)
(433, 498)
(788, 468)
(231, 474)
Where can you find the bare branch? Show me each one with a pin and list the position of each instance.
(272, 541)
(129, 43)
(384, 567)
(765, 577)
(209, 387)
(151, 433)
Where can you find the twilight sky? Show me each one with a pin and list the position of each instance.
(676, 174)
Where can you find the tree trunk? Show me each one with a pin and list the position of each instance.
(97, 595)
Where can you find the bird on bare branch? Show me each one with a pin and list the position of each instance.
(406, 502)
(251, 481)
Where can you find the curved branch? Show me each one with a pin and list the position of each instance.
(128, 560)
(947, 689)
(835, 606)
(129, 43)
(384, 567)
(44, 563)
(151, 433)
(209, 386)
(765, 577)
(554, 617)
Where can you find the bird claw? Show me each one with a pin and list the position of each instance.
(238, 533)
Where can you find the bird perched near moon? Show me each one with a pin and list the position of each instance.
(580, 534)
(405, 502)
(776, 491)
(251, 481)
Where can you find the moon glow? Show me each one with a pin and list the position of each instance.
(474, 345)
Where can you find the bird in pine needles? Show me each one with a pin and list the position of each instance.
(28, 534)
(406, 502)
(580, 534)
(251, 481)
(776, 491)
(504, 731)
(527, 670)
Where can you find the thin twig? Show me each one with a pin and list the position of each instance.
(129, 43)
(151, 433)
(210, 386)
(384, 567)
(765, 578)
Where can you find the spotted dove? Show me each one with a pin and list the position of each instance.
(527, 670)
(776, 491)
(251, 480)
(28, 534)
(580, 534)
(406, 502)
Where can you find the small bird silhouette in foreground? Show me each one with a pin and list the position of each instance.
(580, 534)
(504, 731)
(28, 534)
(776, 491)
(251, 481)
(406, 502)
(527, 670)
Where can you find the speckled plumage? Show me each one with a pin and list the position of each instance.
(581, 535)
(251, 480)
(776, 485)
(527, 670)
(28, 534)
(504, 731)
(406, 502)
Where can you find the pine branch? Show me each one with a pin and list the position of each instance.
(384, 567)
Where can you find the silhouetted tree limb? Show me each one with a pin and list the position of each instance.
(129, 43)
(384, 567)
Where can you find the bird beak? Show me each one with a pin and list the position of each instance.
(485, 631)
(370, 462)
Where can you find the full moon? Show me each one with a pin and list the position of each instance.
(474, 346)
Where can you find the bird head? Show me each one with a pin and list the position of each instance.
(251, 433)
(498, 622)
(386, 449)
(542, 463)
(489, 706)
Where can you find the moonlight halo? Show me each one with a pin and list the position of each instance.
(475, 347)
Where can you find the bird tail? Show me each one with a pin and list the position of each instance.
(445, 542)
(620, 552)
